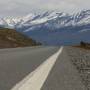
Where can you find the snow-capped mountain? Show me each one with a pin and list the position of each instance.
(53, 27)
(58, 19)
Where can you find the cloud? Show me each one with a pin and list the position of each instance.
(23, 7)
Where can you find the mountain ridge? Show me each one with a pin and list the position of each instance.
(34, 19)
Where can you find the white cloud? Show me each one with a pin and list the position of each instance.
(22, 7)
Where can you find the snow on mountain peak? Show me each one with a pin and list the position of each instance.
(28, 17)
(49, 18)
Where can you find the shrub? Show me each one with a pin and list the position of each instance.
(83, 44)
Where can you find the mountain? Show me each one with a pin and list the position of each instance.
(53, 28)
(10, 38)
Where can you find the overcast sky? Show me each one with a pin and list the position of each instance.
(23, 7)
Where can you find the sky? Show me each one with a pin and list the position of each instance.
(24, 7)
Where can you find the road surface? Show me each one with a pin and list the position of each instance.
(39, 68)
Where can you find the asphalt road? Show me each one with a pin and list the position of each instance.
(15, 64)
(52, 68)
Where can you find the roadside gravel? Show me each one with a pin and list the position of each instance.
(80, 58)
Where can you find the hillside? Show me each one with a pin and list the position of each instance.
(10, 38)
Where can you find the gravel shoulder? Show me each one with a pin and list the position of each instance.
(80, 58)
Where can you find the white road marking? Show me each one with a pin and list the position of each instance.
(36, 79)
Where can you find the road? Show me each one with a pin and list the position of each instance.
(39, 68)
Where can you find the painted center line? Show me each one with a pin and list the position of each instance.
(36, 79)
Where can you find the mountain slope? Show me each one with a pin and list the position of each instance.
(10, 38)
(53, 28)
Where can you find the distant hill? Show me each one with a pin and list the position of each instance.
(10, 38)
